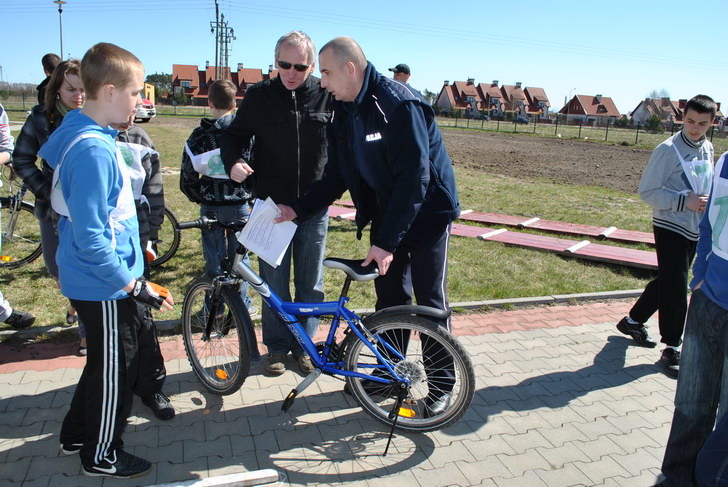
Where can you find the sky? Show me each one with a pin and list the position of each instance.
(622, 49)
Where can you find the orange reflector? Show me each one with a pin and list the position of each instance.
(5, 258)
(221, 374)
(407, 413)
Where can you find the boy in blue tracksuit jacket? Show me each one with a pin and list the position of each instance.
(701, 383)
(100, 262)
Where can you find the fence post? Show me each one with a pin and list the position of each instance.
(497, 127)
(712, 129)
(607, 134)
(535, 121)
(22, 93)
(638, 134)
(481, 123)
(672, 129)
(467, 124)
(581, 122)
(557, 126)
(515, 127)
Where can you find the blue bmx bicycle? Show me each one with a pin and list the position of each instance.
(400, 367)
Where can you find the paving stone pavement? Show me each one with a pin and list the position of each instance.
(562, 399)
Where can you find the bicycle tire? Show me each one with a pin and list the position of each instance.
(426, 381)
(168, 233)
(24, 245)
(221, 362)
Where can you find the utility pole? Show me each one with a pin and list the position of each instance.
(60, 4)
(226, 36)
(223, 37)
(215, 28)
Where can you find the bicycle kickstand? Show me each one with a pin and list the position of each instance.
(394, 413)
(307, 381)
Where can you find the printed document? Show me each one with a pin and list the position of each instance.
(264, 238)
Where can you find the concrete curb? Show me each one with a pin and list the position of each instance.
(170, 326)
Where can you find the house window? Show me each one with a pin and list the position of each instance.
(186, 84)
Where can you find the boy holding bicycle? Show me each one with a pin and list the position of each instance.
(100, 261)
(204, 181)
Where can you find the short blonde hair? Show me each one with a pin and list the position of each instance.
(107, 64)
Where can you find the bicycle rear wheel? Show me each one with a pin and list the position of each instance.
(439, 370)
(168, 239)
(221, 360)
(21, 241)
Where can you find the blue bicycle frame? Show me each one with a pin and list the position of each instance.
(287, 312)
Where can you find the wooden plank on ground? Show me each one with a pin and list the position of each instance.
(571, 248)
(552, 226)
(643, 259)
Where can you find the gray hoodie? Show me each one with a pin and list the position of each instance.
(665, 187)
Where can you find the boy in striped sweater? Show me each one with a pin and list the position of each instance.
(675, 183)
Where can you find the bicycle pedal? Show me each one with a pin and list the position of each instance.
(288, 401)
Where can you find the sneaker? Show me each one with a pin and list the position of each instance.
(305, 364)
(670, 362)
(71, 448)
(124, 466)
(275, 363)
(20, 320)
(160, 405)
(638, 332)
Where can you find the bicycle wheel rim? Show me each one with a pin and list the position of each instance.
(22, 243)
(168, 239)
(221, 361)
(432, 375)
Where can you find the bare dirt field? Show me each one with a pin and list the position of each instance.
(557, 160)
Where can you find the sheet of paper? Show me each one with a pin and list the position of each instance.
(266, 239)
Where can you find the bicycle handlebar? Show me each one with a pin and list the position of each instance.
(207, 223)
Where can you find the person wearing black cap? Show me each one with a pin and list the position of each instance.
(401, 72)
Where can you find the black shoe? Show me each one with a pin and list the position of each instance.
(124, 466)
(160, 405)
(435, 405)
(670, 362)
(20, 320)
(71, 448)
(638, 332)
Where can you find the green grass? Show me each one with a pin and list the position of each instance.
(478, 270)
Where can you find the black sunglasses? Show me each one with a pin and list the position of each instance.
(298, 67)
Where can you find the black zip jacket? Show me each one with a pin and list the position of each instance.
(203, 189)
(35, 132)
(290, 137)
(387, 150)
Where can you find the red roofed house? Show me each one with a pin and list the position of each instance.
(461, 95)
(668, 110)
(592, 110)
(191, 81)
(492, 97)
(514, 99)
(538, 102)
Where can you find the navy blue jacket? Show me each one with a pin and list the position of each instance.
(386, 149)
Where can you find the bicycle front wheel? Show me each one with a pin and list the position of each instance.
(439, 371)
(167, 241)
(220, 359)
(21, 241)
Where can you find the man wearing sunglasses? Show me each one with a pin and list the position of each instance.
(288, 116)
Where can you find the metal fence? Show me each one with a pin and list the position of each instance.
(636, 136)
